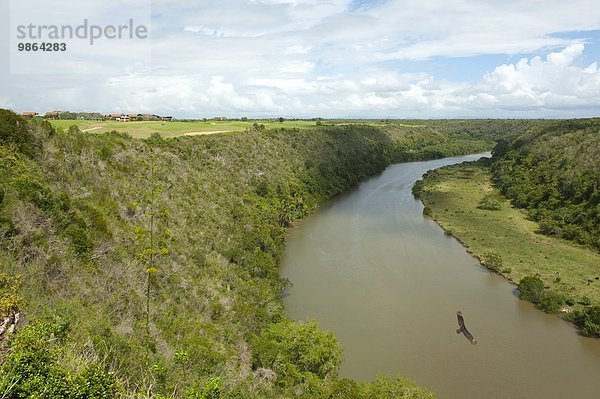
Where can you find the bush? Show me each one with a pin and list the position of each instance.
(550, 228)
(417, 189)
(531, 288)
(14, 130)
(7, 228)
(211, 390)
(291, 349)
(32, 361)
(386, 387)
(345, 389)
(551, 302)
(589, 320)
(10, 299)
(490, 202)
(82, 244)
(585, 301)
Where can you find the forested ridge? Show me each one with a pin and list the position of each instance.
(148, 268)
(554, 172)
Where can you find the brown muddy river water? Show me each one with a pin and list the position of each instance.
(387, 281)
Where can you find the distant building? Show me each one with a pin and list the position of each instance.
(118, 117)
(29, 114)
(136, 117)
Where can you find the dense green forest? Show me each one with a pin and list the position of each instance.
(553, 172)
(148, 268)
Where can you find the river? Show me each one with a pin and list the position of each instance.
(387, 282)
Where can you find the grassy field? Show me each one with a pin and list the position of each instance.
(173, 129)
(453, 195)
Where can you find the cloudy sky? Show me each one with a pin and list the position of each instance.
(307, 58)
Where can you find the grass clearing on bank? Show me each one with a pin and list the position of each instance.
(454, 195)
(143, 129)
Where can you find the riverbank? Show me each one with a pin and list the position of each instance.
(462, 200)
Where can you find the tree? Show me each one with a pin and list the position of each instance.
(589, 320)
(551, 302)
(531, 289)
(14, 130)
(292, 349)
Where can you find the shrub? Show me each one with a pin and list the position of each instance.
(589, 320)
(585, 301)
(95, 382)
(551, 302)
(386, 387)
(7, 227)
(417, 189)
(210, 390)
(82, 244)
(531, 288)
(345, 389)
(550, 228)
(32, 361)
(490, 202)
(15, 131)
(10, 299)
(291, 349)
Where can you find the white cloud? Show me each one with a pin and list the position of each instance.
(567, 56)
(204, 30)
(307, 57)
(555, 83)
(297, 49)
(297, 67)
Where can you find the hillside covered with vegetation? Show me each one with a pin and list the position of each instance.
(148, 268)
(554, 173)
